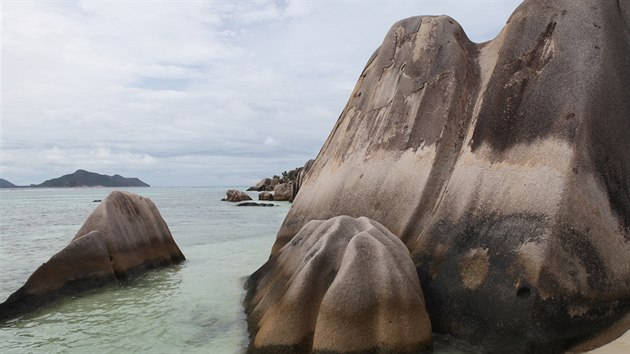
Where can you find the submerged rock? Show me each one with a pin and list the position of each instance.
(503, 166)
(124, 235)
(255, 204)
(234, 195)
(343, 285)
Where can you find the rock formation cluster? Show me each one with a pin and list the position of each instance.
(234, 195)
(283, 188)
(504, 167)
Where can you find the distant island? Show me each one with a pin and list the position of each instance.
(82, 178)
(6, 184)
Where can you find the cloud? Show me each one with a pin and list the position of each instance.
(269, 141)
(183, 93)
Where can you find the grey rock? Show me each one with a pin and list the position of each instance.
(265, 196)
(255, 204)
(343, 285)
(265, 184)
(124, 235)
(283, 191)
(234, 195)
(301, 172)
(503, 166)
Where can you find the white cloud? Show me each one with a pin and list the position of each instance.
(187, 91)
(270, 141)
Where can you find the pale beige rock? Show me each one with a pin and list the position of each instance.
(283, 191)
(620, 345)
(342, 285)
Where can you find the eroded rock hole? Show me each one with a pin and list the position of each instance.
(523, 292)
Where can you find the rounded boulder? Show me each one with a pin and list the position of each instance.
(342, 285)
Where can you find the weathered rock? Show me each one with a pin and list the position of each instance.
(255, 204)
(283, 191)
(265, 184)
(503, 166)
(124, 235)
(234, 195)
(301, 175)
(343, 285)
(265, 196)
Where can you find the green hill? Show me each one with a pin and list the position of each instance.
(82, 178)
(6, 184)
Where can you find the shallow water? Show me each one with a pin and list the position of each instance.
(193, 307)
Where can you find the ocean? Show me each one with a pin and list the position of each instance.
(192, 307)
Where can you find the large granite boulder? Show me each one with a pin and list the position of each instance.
(265, 184)
(283, 191)
(343, 285)
(124, 235)
(234, 195)
(503, 166)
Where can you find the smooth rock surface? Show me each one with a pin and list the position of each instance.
(343, 285)
(124, 235)
(283, 191)
(503, 166)
(302, 172)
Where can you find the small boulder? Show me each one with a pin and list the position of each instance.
(265, 196)
(343, 285)
(283, 191)
(234, 195)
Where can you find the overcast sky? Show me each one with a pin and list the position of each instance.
(190, 92)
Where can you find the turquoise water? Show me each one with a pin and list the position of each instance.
(193, 307)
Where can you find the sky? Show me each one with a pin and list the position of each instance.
(189, 93)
